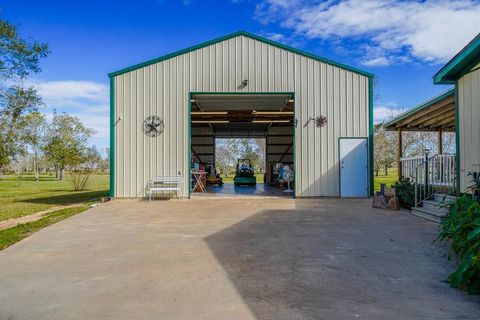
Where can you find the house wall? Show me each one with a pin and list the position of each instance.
(468, 97)
(163, 89)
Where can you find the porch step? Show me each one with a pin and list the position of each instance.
(435, 209)
(436, 206)
(442, 197)
(428, 214)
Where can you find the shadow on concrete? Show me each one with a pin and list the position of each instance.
(69, 198)
(334, 259)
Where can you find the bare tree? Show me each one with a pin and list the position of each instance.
(229, 150)
(384, 149)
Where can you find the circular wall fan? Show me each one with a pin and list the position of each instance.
(321, 121)
(288, 176)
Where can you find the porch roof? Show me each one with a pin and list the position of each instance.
(435, 114)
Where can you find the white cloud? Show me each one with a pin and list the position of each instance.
(274, 36)
(379, 61)
(87, 100)
(100, 123)
(69, 91)
(430, 30)
(386, 112)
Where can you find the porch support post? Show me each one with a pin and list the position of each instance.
(440, 140)
(399, 153)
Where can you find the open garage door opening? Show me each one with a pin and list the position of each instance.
(242, 144)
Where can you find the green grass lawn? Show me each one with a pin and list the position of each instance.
(21, 197)
(389, 179)
(12, 235)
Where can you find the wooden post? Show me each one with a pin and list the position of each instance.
(440, 141)
(399, 153)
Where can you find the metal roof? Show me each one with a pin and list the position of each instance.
(464, 60)
(433, 114)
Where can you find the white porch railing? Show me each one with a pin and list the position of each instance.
(435, 174)
(409, 164)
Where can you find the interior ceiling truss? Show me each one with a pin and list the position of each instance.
(238, 109)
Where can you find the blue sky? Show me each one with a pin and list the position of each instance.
(402, 42)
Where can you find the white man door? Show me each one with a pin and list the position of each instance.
(353, 167)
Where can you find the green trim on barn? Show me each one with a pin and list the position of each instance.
(457, 139)
(474, 66)
(461, 61)
(243, 93)
(188, 174)
(233, 35)
(112, 137)
(449, 93)
(370, 134)
(294, 145)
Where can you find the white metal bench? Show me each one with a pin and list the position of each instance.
(164, 183)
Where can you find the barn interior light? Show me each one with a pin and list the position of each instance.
(210, 122)
(206, 113)
(272, 112)
(270, 121)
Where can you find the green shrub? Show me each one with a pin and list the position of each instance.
(405, 191)
(462, 227)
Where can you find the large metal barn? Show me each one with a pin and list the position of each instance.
(315, 117)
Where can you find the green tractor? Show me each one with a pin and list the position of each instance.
(244, 174)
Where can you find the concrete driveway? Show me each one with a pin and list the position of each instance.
(232, 259)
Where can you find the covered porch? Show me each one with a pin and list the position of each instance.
(431, 172)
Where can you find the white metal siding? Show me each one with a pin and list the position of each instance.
(468, 91)
(163, 89)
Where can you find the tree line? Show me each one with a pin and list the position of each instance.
(228, 151)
